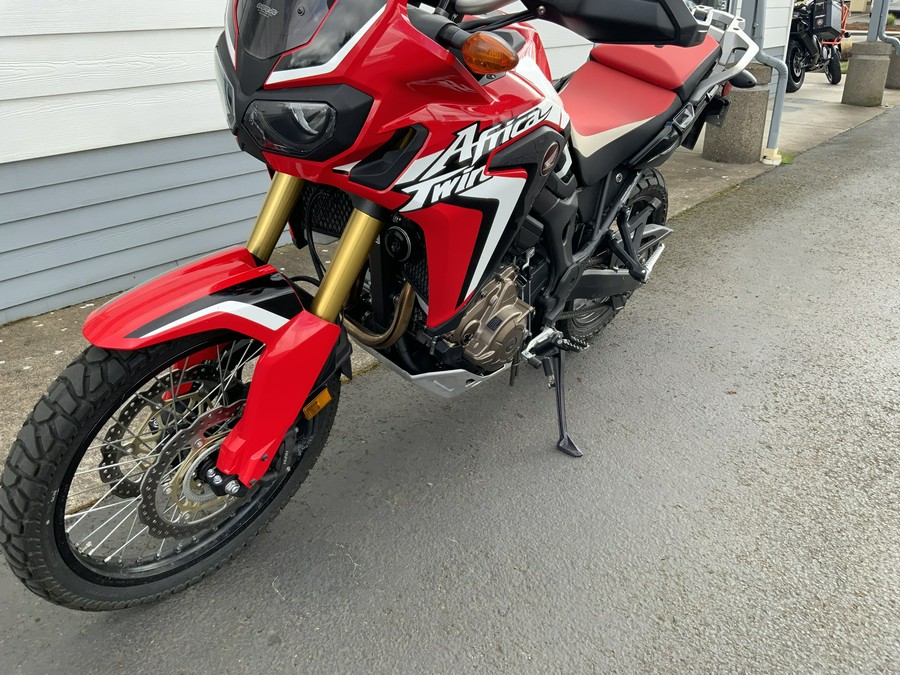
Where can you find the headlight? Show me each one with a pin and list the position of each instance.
(226, 92)
(293, 128)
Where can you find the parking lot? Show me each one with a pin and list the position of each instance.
(737, 508)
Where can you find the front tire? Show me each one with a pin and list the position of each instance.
(796, 63)
(72, 534)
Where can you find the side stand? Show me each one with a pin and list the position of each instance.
(565, 443)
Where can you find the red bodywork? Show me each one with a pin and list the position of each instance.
(432, 89)
(285, 374)
(415, 81)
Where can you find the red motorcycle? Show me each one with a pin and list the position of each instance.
(487, 217)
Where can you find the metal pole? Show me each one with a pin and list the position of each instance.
(771, 155)
(877, 28)
(875, 20)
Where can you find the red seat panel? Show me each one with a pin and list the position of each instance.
(604, 101)
(612, 115)
(668, 67)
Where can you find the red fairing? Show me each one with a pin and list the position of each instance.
(282, 382)
(434, 90)
(179, 303)
(114, 325)
(455, 231)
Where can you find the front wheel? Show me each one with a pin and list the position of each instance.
(104, 503)
(796, 63)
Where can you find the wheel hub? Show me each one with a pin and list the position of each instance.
(127, 452)
(176, 501)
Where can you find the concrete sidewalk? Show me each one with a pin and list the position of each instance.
(811, 116)
(33, 351)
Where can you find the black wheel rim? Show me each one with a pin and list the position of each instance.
(797, 65)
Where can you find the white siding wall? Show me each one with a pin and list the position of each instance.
(777, 25)
(77, 75)
(77, 226)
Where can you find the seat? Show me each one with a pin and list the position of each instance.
(677, 69)
(613, 116)
(623, 97)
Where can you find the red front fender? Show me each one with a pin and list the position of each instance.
(230, 291)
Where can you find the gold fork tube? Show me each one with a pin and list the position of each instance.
(356, 244)
(276, 209)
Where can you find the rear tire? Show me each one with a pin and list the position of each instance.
(796, 66)
(833, 69)
(40, 516)
(586, 326)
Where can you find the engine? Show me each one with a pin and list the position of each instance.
(492, 330)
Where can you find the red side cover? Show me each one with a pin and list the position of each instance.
(588, 94)
(667, 67)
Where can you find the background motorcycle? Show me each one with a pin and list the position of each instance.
(487, 217)
(817, 29)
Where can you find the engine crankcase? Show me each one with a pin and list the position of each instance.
(492, 330)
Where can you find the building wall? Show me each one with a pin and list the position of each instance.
(775, 24)
(114, 165)
(78, 75)
(78, 226)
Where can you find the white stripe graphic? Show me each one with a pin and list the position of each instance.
(506, 190)
(588, 145)
(529, 71)
(332, 63)
(257, 315)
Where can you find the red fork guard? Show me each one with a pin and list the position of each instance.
(230, 291)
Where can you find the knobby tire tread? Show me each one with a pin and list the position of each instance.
(43, 447)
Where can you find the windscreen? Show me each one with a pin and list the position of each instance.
(266, 29)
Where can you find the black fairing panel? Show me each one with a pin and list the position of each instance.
(351, 105)
(624, 21)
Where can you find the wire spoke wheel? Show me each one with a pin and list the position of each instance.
(585, 318)
(119, 511)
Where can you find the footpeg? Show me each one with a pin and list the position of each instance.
(570, 344)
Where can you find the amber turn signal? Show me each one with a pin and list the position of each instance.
(485, 54)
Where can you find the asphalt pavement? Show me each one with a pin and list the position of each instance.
(737, 508)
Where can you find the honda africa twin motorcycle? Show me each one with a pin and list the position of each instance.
(488, 217)
(817, 29)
